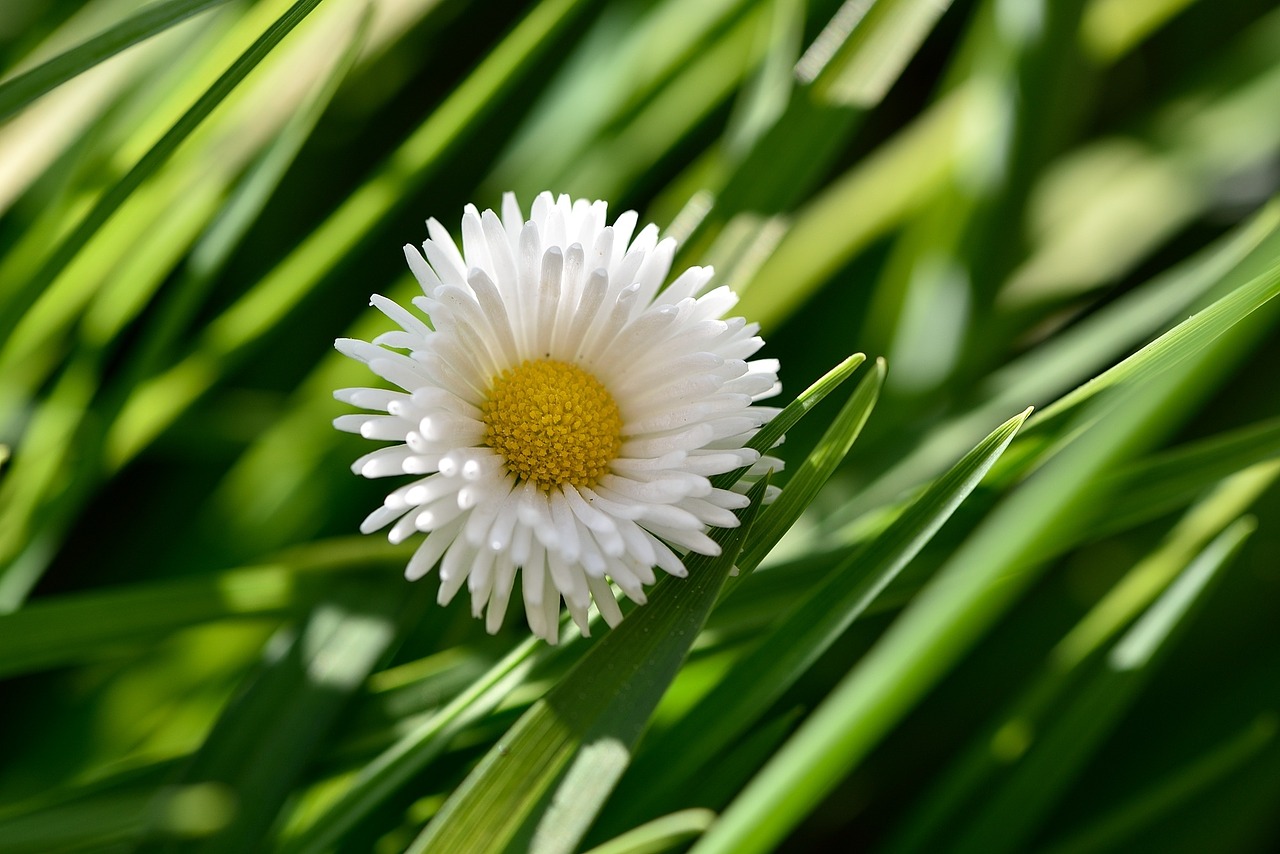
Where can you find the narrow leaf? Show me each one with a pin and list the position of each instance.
(111, 200)
(793, 643)
(863, 49)
(20, 90)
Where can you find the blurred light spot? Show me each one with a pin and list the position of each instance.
(931, 330)
(1012, 740)
(1020, 21)
(198, 810)
(338, 646)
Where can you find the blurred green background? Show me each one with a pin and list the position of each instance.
(1003, 198)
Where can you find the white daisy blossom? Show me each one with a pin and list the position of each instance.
(562, 411)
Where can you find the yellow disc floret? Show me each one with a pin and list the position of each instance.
(553, 423)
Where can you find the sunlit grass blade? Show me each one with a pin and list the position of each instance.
(1204, 521)
(768, 179)
(967, 595)
(397, 766)
(864, 203)
(157, 403)
(1111, 27)
(1178, 344)
(119, 192)
(1011, 812)
(613, 164)
(990, 752)
(25, 497)
(268, 733)
(244, 205)
(661, 834)
(82, 627)
(22, 89)
(541, 786)
(795, 641)
(864, 48)
(1066, 360)
(1174, 478)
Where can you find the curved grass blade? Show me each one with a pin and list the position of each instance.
(80, 426)
(1178, 344)
(1068, 359)
(19, 91)
(1150, 488)
(864, 48)
(111, 200)
(659, 835)
(793, 643)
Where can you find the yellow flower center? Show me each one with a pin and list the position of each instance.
(553, 423)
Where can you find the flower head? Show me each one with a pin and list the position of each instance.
(562, 410)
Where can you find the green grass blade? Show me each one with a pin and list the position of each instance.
(22, 89)
(396, 767)
(980, 580)
(81, 627)
(100, 333)
(659, 835)
(158, 403)
(795, 642)
(864, 48)
(1120, 828)
(1010, 813)
(1083, 350)
(813, 472)
(110, 201)
(271, 730)
(1178, 344)
(988, 755)
(864, 203)
(1150, 488)
(577, 740)
(237, 215)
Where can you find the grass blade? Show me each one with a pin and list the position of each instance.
(398, 765)
(266, 735)
(1009, 814)
(793, 643)
(864, 48)
(115, 196)
(972, 589)
(988, 755)
(22, 89)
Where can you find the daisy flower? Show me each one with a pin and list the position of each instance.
(562, 410)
